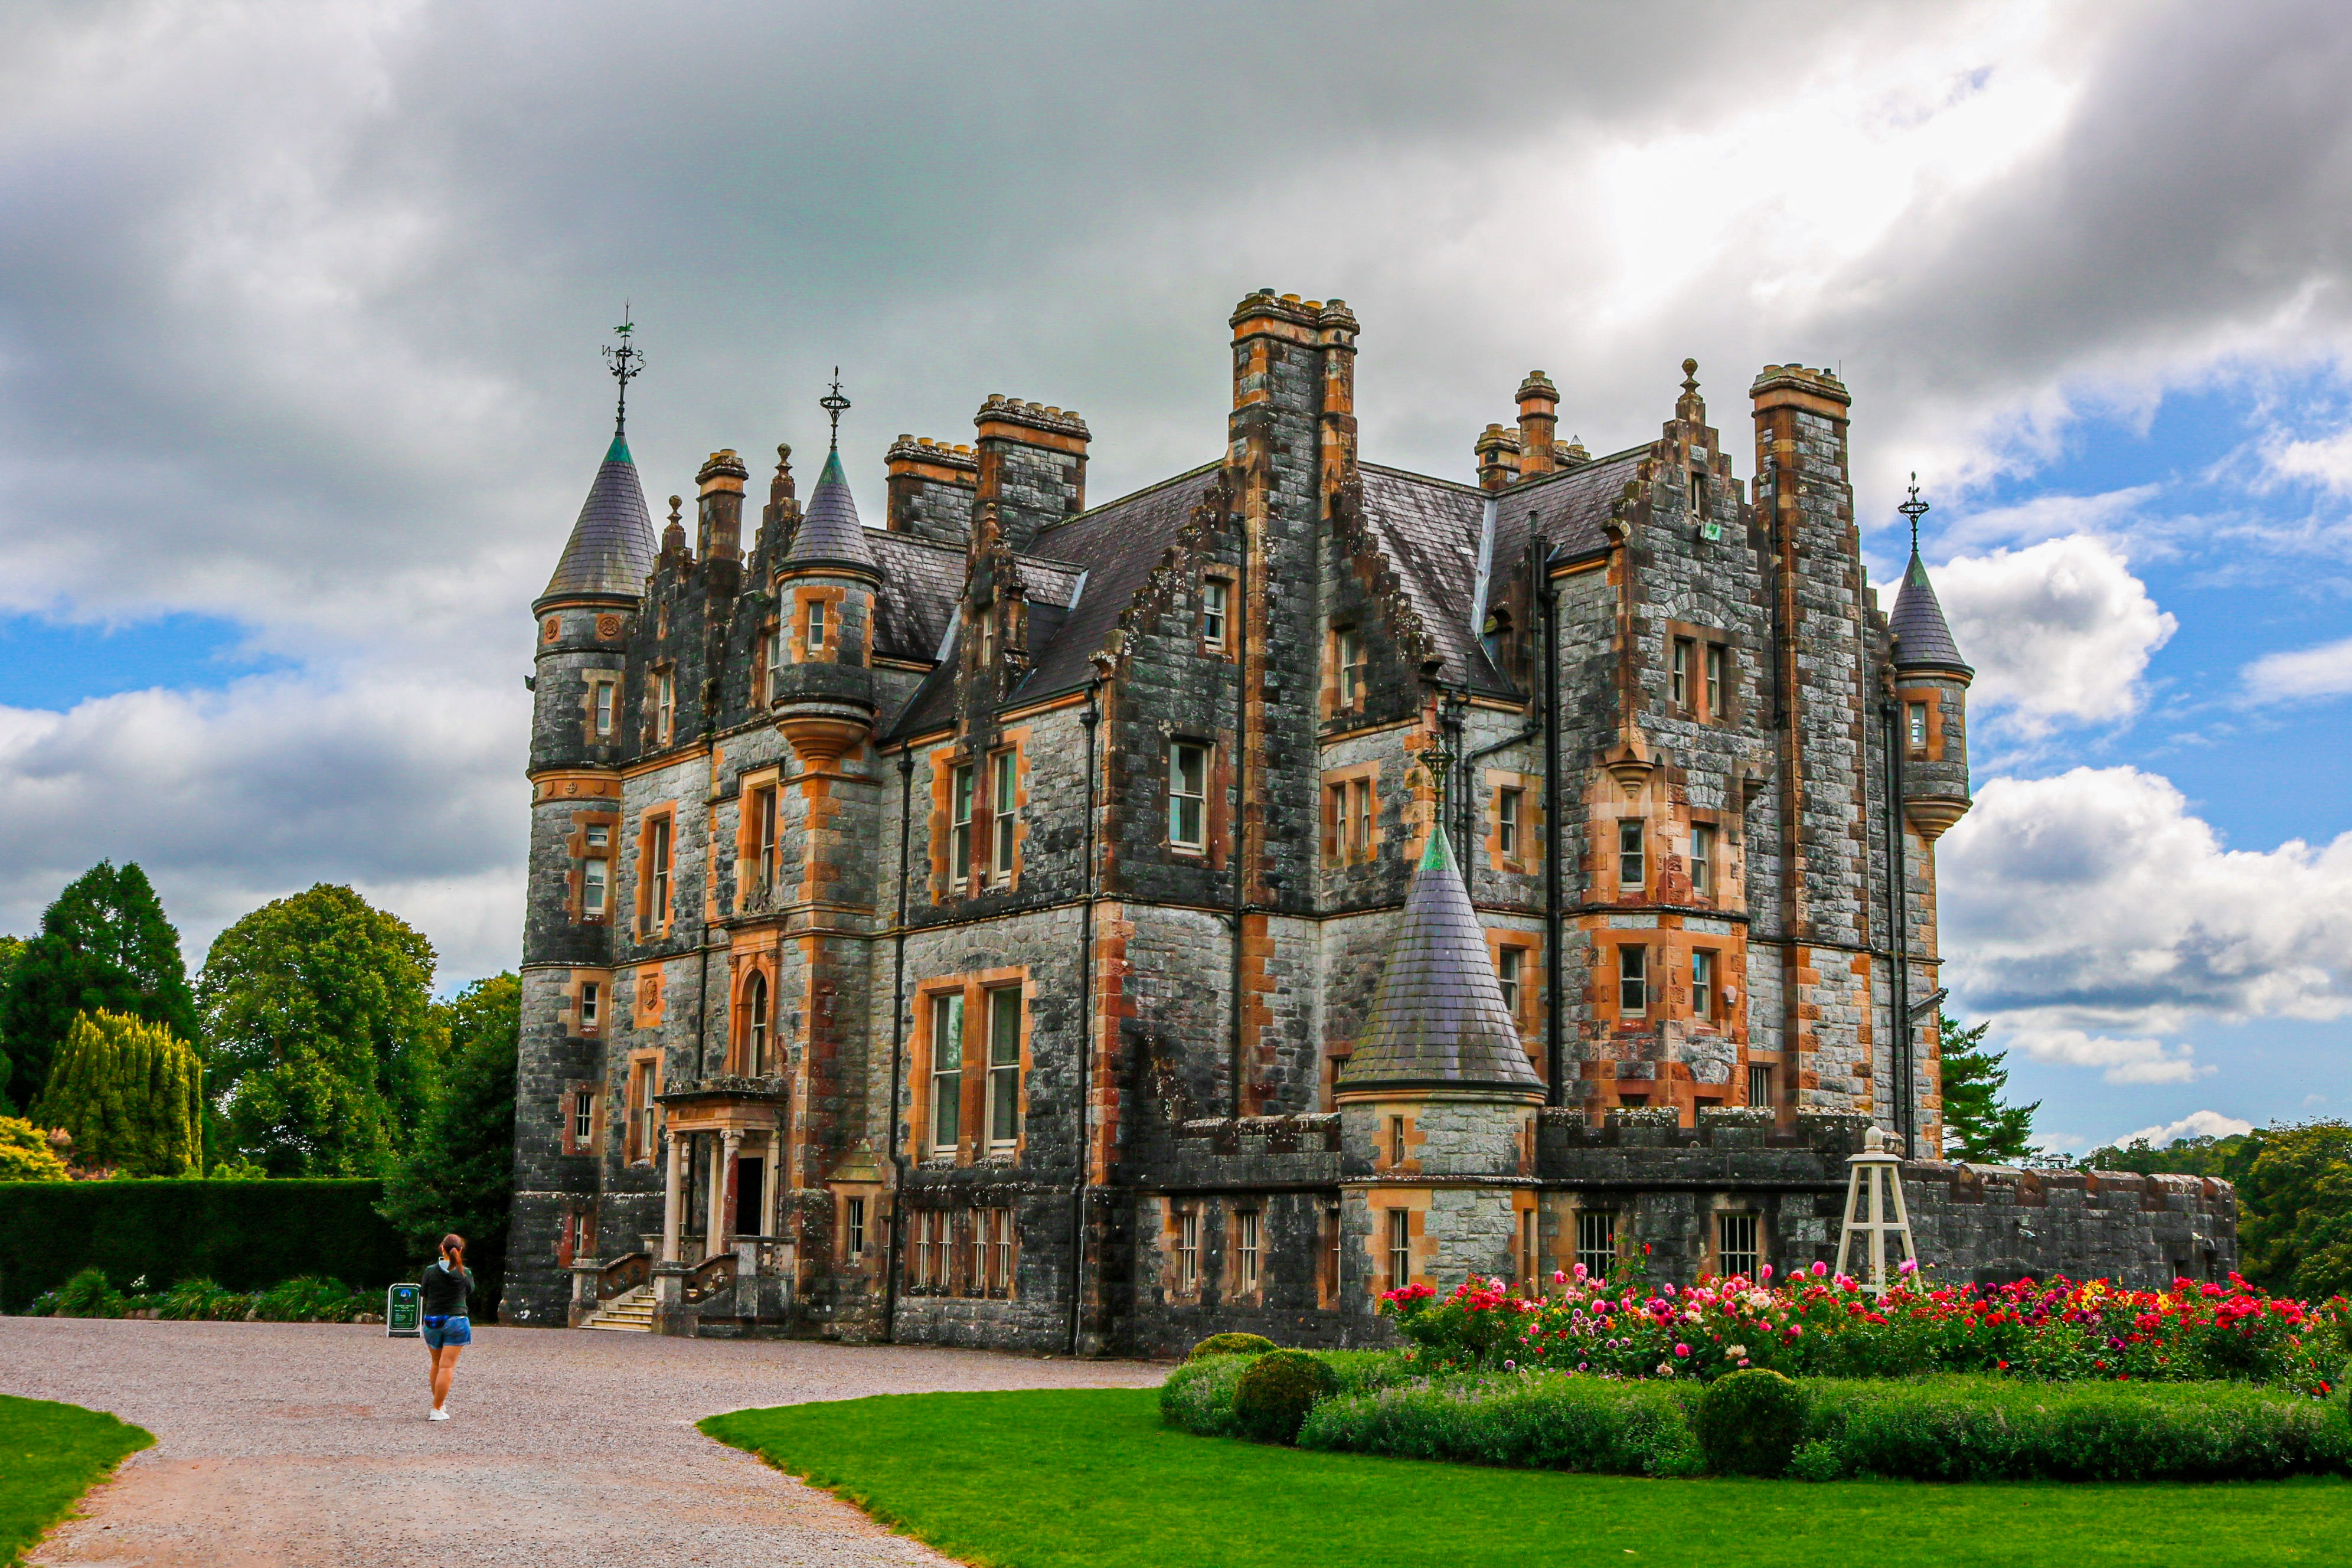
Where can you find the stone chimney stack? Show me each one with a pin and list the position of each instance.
(1031, 463)
(1539, 424)
(931, 490)
(1499, 459)
(719, 534)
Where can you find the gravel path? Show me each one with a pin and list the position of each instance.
(295, 1444)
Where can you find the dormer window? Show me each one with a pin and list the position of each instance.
(1497, 636)
(1348, 653)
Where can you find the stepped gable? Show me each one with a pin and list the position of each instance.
(1428, 530)
(611, 551)
(1923, 639)
(829, 533)
(1570, 507)
(1438, 1020)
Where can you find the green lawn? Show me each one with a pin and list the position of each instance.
(1090, 1477)
(50, 1455)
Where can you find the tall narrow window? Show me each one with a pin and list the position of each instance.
(664, 705)
(1361, 791)
(947, 1070)
(640, 1130)
(1596, 1242)
(1734, 1244)
(1715, 671)
(1004, 1068)
(1702, 859)
(603, 695)
(595, 877)
(1000, 802)
(1759, 1086)
(1509, 962)
(1630, 855)
(1530, 1275)
(584, 1118)
(1212, 614)
(774, 661)
(1703, 984)
(1632, 982)
(1399, 1248)
(1188, 795)
(959, 826)
(1350, 654)
(1917, 716)
(1396, 1141)
(1506, 821)
(1331, 1252)
(1683, 651)
(1245, 1252)
(1188, 1250)
(853, 1229)
(1002, 1268)
(592, 997)
(658, 852)
(1338, 796)
(763, 819)
(755, 1026)
(814, 640)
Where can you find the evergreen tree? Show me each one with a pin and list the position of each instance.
(11, 949)
(25, 1154)
(104, 943)
(460, 1173)
(130, 1093)
(1983, 1128)
(318, 1030)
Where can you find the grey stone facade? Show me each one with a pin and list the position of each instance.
(987, 929)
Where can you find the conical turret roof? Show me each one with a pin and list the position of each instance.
(612, 545)
(1438, 1020)
(1922, 639)
(829, 533)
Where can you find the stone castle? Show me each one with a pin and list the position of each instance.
(1083, 927)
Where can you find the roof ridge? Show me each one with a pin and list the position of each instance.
(1196, 470)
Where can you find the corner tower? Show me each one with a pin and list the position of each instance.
(584, 620)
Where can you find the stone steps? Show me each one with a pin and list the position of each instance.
(630, 1313)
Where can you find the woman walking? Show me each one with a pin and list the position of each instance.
(448, 1330)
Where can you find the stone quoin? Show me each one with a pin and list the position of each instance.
(1067, 927)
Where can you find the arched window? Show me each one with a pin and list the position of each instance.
(755, 1026)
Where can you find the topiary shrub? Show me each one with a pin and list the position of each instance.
(1271, 1401)
(1231, 1344)
(1749, 1423)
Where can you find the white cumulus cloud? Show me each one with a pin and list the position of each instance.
(2195, 1124)
(2059, 632)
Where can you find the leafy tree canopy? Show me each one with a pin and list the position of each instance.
(25, 1154)
(1978, 1125)
(319, 1028)
(2294, 1225)
(130, 1094)
(2229, 1158)
(460, 1173)
(104, 943)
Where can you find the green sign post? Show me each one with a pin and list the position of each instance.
(404, 1312)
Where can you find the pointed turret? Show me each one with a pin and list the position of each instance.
(1931, 681)
(1438, 1020)
(612, 545)
(829, 533)
(1923, 641)
(823, 695)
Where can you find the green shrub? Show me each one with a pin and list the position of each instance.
(1198, 1396)
(1232, 1345)
(1535, 1420)
(1749, 1423)
(89, 1295)
(202, 1301)
(1275, 1392)
(1978, 1428)
(247, 1235)
(309, 1300)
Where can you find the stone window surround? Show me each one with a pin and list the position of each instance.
(747, 828)
(762, 966)
(648, 927)
(641, 1081)
(1931, 698)
(569, 1013)
(661, 717)
(591, 683)
(945, 760)
(1221, 645)
(1246, 1220)
(972, 1146)
(1528, 1016)
(1339, 846)
(1695, 708)
(1332, 704)
(1531, 821)
(1215, 809)
(576, 881)
(1723, 1205)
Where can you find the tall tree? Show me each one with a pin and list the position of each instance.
(2296, 1221)
(11, 949)
(104, 943)
(1985, 1129)
(318, 1029)
(130, 1094)
(460, 1173)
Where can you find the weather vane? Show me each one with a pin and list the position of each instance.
(627, 364)
(1915, 508)
(833, 403)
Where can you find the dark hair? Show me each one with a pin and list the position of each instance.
(455, 1243)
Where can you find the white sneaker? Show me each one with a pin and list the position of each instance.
(439, 1415)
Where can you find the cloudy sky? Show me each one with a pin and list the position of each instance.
(299, 307)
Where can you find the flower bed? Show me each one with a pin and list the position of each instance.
(307, 1300)
(1824, 1325)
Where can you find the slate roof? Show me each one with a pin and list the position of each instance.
(1438, 1019)
(1922, 637)
(610, 550)
(1429, 530)
(921, 583)
(830, 533)
(1570, 507)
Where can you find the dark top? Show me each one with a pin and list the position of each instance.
(445, 1290)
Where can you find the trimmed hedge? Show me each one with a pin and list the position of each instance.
(1198, 1396)
(249, 1236)
(1534, 1420)
(1275, 1392)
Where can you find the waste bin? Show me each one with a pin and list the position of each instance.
(404, 1312)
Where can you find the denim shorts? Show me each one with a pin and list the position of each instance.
(439, 1332)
